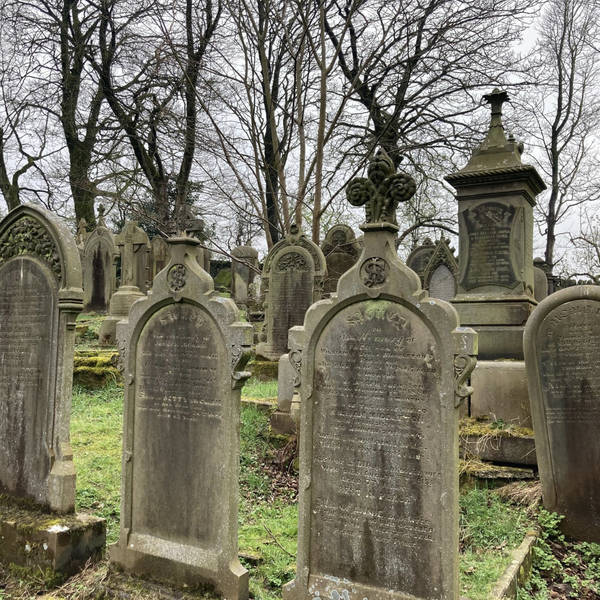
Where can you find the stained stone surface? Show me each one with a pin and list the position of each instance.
(383, 368)
(40, 296)
(182, 347)
(540, 283)
(98, 258)
(442, 284)
(292, 280)
(562, 344)
(341, 250)
(420, 256)
(243, 274)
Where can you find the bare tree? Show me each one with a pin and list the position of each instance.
(563, 115)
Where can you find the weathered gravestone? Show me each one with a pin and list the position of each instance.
(99, 254)
(419, 257)
(382, 372)
(133, 243)
(182, 350)
(562, 345)
(243, 273)
(341, 250)
(282, 420)
(439, 276)
(540, 280)
(159, 251)
(292, 279)
(496, 195)
(40, 297)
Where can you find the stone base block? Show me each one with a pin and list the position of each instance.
(62, 543)
(230, 580)
(500, 392)
(266, 351)
(108, 331)
(500, 449)
(282, 423)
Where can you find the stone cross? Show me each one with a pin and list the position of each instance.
(131, 236)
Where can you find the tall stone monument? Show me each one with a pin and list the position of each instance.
(292, 279)
(496, 195)
(562, 345)
(98, 264)
(40, 297)
(243, 273)
(341, 250)
(182, 351)
(382, 372)
(133, 243)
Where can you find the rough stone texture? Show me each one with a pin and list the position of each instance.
(419, 257)
(382, 370)
(496, 195)
(35, 540)
(243, 273)
(505, 449)
(134, 248)
(98, 265)
(562, 345)
(159, 251)
(500, 392)
(341, 251)
(181, 349)
(40, 297)
(292, 279)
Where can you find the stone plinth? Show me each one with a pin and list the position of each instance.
(182, 349)
(496, 195)
(562, 345)
(500, 392)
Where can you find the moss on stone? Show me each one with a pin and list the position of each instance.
(263, 370)
(223, 279)
(96, 377)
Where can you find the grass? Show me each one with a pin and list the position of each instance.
(268, 514)
(255, 388)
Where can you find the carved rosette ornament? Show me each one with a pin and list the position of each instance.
(382, 191)
(27, 236)
(176, 277)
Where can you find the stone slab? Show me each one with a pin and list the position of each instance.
(562, 346)
(502, 449)
(500, 392)
(518, 571)
(33, 539)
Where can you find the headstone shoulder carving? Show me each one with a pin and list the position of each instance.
(382, 369)
(40, 297)
(184, 358)
(562, 344)
(98, 264)
(292, 279)
(341, 250)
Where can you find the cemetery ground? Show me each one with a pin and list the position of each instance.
(493, 522)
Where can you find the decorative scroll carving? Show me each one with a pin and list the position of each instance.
(176, 277)
(295, 358)
(374, 271)
(292, 262)
(28, 236)
(463, 367)
(382, 191)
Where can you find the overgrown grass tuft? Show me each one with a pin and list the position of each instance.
(254, 388)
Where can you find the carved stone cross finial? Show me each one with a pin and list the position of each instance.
(101, 210)
(496, 133)
(382, 191)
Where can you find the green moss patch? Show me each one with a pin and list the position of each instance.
(474, 427)
(94, 369)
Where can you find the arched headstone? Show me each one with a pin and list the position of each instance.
(98, 263)
(243, 273)
(341, 250)
(441, 271)
(40, 297)
(159, 250)
(292, 279)
(182, 349)
(562, 344)
(382, 371)
(419, 257)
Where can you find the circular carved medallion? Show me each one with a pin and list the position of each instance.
(374, 271)
(176, 277)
